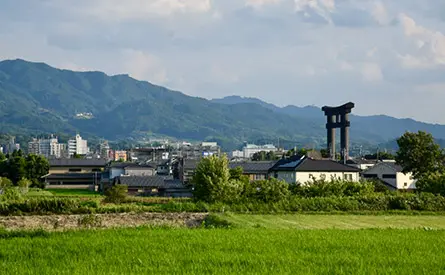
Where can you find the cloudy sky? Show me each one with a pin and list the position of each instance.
(386, 56)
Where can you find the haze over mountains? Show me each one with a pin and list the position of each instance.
(36, 98)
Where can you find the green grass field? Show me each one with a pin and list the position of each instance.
(226, 251)
(73, 192)
(295, 221)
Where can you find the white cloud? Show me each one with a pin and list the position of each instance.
(322, 8)
(371, 72)
(380, 13)
(261, 3)
(429, 45)
(141, 66)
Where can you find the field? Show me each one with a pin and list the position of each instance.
(73, 192)
(317, 221)
(225, 251)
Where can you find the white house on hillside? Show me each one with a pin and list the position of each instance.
(303, 170)
(391, 174)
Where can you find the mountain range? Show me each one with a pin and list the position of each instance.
(36, 98)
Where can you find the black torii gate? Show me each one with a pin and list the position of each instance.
(338, 117)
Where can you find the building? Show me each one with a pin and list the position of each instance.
(104, 150)
(74, 173)
(154, 186)
(120, 156)
(46, 147)
(304, 170)
(187, 169)
(255, 170)
(391, 175)
(250, 149)
(117, 169)
(77, 146)
(362, 164)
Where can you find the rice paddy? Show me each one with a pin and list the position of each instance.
(225, 251)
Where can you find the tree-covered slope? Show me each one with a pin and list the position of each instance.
(37, 98)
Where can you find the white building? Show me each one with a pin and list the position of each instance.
(77, 146)
(303, 170)
(46, 147)
(250, 149)
(391, 174)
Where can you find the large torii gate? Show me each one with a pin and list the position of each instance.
(338, 117)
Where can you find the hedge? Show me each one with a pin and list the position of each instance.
(372, 203)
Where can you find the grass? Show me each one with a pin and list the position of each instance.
(73, 192)
(300, 221)
(225, 251)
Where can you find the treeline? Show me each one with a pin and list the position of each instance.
(16, 167)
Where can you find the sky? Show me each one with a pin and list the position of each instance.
(386, 56)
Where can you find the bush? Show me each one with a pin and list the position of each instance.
(116, 194)
(271, 190)
(322, 188)
(432, 183)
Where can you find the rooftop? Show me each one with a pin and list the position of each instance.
(305, 164)
(253, 166)
(149, 181)
(77, 162)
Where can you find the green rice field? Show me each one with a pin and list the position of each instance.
(317, 221)
(225, 251)
(62, 192)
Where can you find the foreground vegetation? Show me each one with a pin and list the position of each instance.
(322, 221)
(222, 251)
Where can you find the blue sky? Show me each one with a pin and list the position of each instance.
(386, 56)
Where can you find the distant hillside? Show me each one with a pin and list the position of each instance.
(37, 98)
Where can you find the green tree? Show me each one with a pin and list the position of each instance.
(418, 153)
(432, 183)
(36, 167)
(212, 181)
(76, 156)
(271, 190)
(16, 168)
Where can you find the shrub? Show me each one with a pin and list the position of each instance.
(90, 220)
(116, 194)
(4, 183)
(432, 183)
(271, 190)
(322, 188)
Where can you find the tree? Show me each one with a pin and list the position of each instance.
(212, 181)
(76, 156)
(16, 168)
(36, 166)
(418, 153)
(432, 183)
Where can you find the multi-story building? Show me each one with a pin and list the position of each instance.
(77, 146)
(104, 150)
(46, 147)
(250, 149)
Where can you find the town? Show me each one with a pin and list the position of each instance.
(167, 169)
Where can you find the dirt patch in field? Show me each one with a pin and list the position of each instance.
(63, 222)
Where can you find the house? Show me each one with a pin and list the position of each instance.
(187, 169)
(130, 169)
(362, 164)
(164, 168)
(255, 170)
(303, 169)
(153, 186)
(74, 173)
(391, 175)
